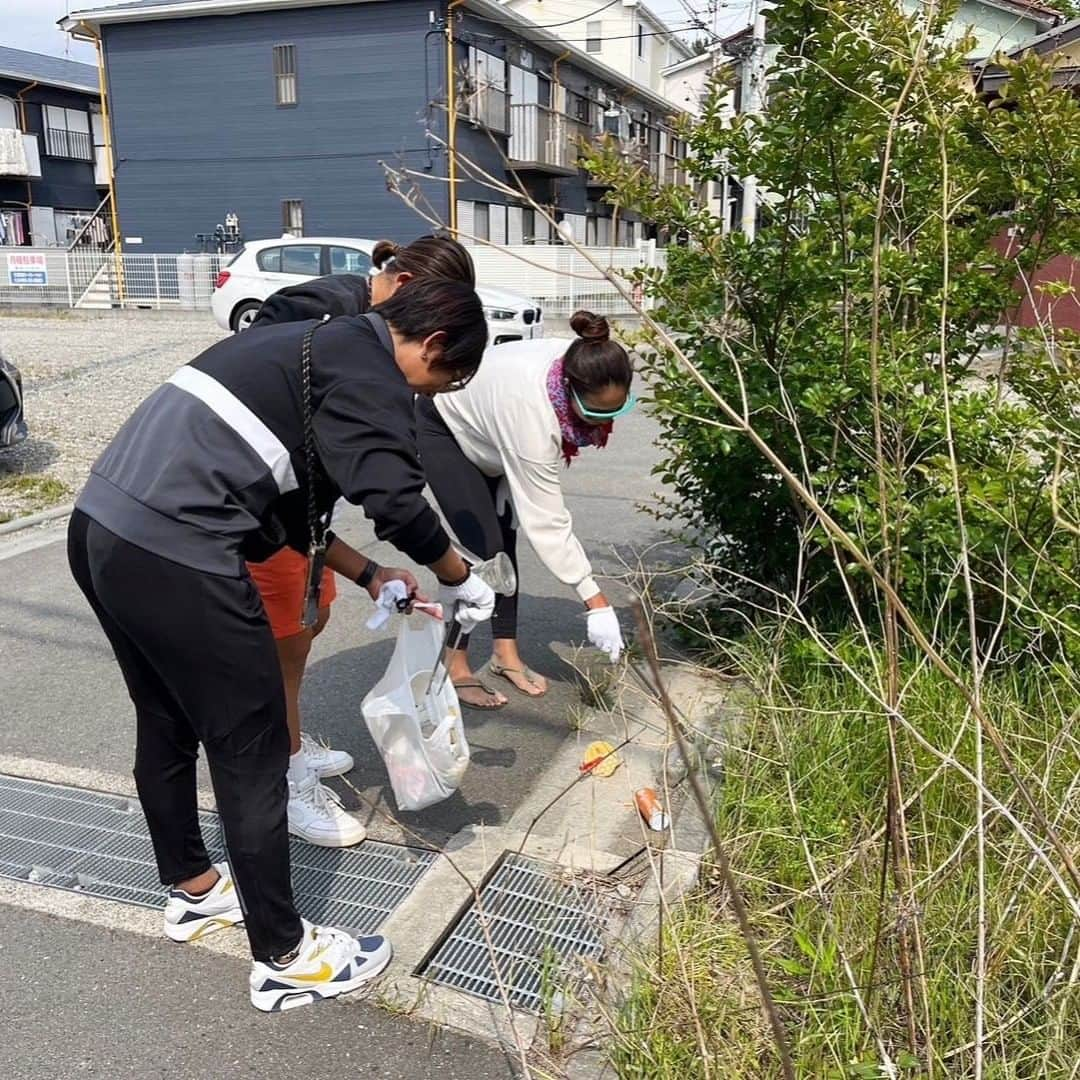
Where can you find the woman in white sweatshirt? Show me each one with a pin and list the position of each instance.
(494, 453)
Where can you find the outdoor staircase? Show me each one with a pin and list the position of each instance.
(102, 292)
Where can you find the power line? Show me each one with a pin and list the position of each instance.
(577, 18)
(573, 41)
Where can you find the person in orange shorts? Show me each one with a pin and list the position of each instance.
(315, 814)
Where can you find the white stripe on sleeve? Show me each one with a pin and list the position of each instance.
(226, 405)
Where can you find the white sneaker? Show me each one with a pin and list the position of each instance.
(188, 918)
(330, 962)
(324, 761)
(316, 815)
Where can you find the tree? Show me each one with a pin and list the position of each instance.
(860, 327)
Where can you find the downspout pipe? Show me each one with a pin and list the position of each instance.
(22, 125)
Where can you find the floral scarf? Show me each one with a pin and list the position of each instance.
(575, 432)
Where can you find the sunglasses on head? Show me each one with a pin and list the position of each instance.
(603, 414)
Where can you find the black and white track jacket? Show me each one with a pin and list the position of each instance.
(209, 470)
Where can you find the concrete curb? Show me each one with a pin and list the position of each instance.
(593, 829)
(30, 520)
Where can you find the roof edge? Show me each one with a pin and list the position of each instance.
(184, 9)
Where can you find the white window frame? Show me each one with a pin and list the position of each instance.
(62, 139)
(481, 220)
(488, 98)
(292, 217)
(594, 36)
(286, 84)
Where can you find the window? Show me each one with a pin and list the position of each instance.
(285, 74)
(302, 259)
(305, 259)
(641, 40)
(269, 260)
(345, 260)
(528, 225)
(67, 133)
(486, 98)
(7, 114)
(292, 217)
(482, 221)
(594, 41)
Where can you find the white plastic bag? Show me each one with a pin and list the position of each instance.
(421, 738)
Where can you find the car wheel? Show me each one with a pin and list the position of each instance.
(244, 314)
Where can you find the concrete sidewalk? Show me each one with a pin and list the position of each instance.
(128, 1005)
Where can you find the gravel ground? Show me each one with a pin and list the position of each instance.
(83, 374)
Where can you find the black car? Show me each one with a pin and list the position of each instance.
(12, 423)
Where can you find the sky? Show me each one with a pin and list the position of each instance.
(31, 24)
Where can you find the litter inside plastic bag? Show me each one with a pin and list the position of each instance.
(420, 736)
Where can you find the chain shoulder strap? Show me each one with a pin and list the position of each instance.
(316, 527)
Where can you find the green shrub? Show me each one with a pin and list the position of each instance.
(788, 325)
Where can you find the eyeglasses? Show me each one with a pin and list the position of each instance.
(458, 382)
(600, 414)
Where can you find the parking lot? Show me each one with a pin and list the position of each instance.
(83, 373)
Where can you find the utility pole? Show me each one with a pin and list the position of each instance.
(753, 95)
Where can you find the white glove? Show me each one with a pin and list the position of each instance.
(387, 604)
(475, 601)
(604, 632)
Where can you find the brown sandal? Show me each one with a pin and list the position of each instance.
(476, 684)
(526, 673)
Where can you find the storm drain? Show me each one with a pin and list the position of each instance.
(97, 844)
(530, 932)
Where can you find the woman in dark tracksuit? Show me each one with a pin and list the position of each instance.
(209, 470)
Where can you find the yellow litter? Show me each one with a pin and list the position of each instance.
(600, 759)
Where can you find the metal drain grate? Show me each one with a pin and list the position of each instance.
(538, 925)
(97, 844)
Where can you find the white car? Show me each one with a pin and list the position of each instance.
(263, 267)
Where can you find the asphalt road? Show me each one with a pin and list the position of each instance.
(83, 1000)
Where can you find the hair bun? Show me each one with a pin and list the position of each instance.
(383, 252)
(590, 327)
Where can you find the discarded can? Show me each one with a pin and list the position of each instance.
(648, 804)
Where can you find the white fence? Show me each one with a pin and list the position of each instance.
(98, 279)
(557, 278)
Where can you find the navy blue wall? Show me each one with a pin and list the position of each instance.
(65, 184)
(198, 134)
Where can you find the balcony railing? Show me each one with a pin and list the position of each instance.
(487, 106)
(668, 169)
(544, 140)
(69, 144)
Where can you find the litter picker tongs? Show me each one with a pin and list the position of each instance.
(498, 572)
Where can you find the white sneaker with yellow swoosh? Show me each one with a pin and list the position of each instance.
(188, 918)
(330, 962)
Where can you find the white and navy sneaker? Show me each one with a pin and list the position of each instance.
(329, 962)
(323, 760)
(317, 816)
(188, 918)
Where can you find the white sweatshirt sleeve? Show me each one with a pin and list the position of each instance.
(536, 490)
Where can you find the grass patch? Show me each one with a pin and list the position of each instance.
(33, 492)
(810, 800)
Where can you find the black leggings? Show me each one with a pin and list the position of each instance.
(200, 664)
(467, 497)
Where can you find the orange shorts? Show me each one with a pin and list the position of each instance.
(280, 581)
